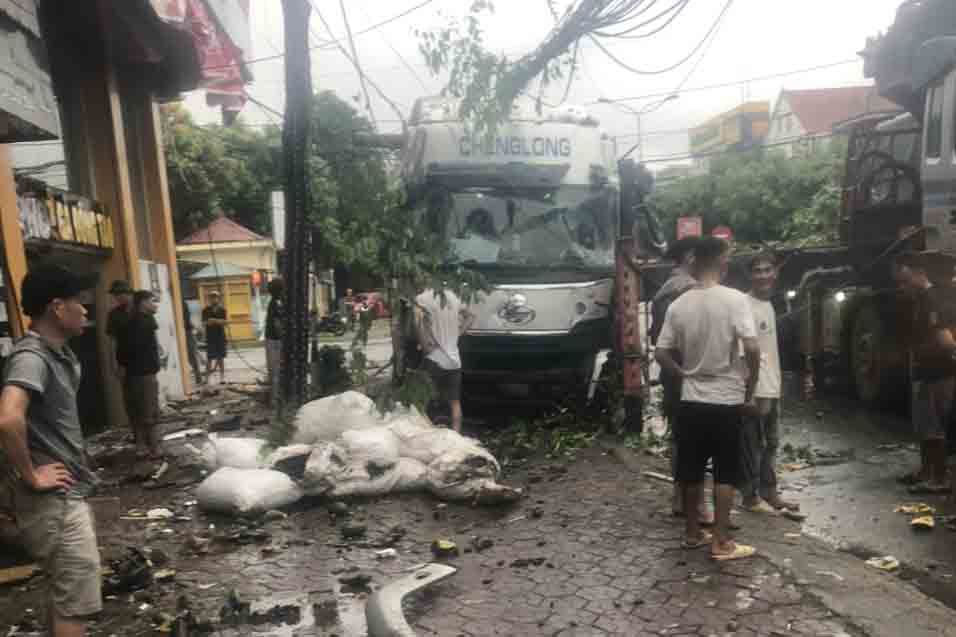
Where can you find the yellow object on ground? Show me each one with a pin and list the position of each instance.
(918, 508)
(923, 522)
(887, 563)
(17, 574)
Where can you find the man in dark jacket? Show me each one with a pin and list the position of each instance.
(142, 370)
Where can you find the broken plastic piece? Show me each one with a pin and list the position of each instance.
(918, 508)
(924, 522)
(886, 563)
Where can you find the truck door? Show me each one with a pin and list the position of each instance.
(939, 165)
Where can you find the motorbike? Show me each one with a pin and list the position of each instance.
(334, 323)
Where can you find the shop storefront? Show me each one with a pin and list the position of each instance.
(94, 75)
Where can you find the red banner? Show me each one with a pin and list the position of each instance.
(220, 60)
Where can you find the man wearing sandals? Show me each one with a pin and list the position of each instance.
(932, 369)
(761, 431)
(706, 327)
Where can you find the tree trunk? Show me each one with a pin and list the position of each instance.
(295, 145)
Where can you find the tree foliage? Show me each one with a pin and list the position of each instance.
(763, 196)
(211, 169)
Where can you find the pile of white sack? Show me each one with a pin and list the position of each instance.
(343, 446)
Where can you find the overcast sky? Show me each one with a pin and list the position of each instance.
(756, 38)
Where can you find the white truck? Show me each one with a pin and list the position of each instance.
(535, 209)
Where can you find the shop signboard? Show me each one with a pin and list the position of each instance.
(48, 213)
(155, 277)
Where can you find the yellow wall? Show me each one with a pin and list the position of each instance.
(255, 255)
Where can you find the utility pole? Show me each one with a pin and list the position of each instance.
(296, 133)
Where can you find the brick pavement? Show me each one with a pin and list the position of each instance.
(592, 551)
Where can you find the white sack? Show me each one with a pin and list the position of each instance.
(238, 453)
(326, 419)
(377, 446)
(245, 491)
(406, 475)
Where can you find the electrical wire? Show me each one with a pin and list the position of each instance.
(676, 65)
(711, 87)
(732, 151)
(328, 43)
(356, 62)
(677, 8)
(402, 59)
(375, 86)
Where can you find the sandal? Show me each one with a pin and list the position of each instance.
(704, 540)
(741, 551)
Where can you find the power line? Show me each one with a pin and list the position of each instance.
(328, 43)
(734, 83)
(668, 69)
(357, 62)
(732, 151)
(401, 58)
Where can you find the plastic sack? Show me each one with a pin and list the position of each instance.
(326, 419)
(238, 453)
(406, 475)
(378, 447)
(245, 491)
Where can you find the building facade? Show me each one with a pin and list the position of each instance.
(86, 82)
(738, 129)
(804, 121)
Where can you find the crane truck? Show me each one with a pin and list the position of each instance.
(899, 194)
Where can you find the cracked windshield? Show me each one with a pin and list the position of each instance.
(568, 226)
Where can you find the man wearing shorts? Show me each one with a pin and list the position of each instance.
(441, 319)
(932, 351)
(41, 434)
(706, 327)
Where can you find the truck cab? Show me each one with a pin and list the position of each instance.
(535, 210)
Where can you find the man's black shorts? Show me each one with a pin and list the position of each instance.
(447, 381)
(709, 432)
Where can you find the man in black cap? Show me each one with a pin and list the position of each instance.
(117, 326)
(680, 281)
(41, 434)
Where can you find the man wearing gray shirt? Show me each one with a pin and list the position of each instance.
(41, 434)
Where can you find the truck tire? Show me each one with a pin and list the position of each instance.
(871, 370)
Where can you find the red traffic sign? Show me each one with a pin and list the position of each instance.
(722, 232)
(689, 227)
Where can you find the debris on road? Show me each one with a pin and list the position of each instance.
(444, 549)
(654, 475)
(353, 531)
(923, 523)
(886, 563)
(919, 508)
(183, 434)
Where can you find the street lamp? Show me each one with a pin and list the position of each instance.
(653, 106)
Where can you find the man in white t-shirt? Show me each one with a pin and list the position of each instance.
(762, 429)
(706, 327)
(441, 318)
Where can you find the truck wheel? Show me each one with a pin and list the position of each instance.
(869, 360)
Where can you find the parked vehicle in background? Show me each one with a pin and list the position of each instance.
(375, 301)
(334, 323)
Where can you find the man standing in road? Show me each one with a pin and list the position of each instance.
(441, 318)
(214, 320)
(761, 430)
(706, 327)
(275, 325)
(932, 366)
(144, 365)
(680, 281)
(41, 434)
(117, 322)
